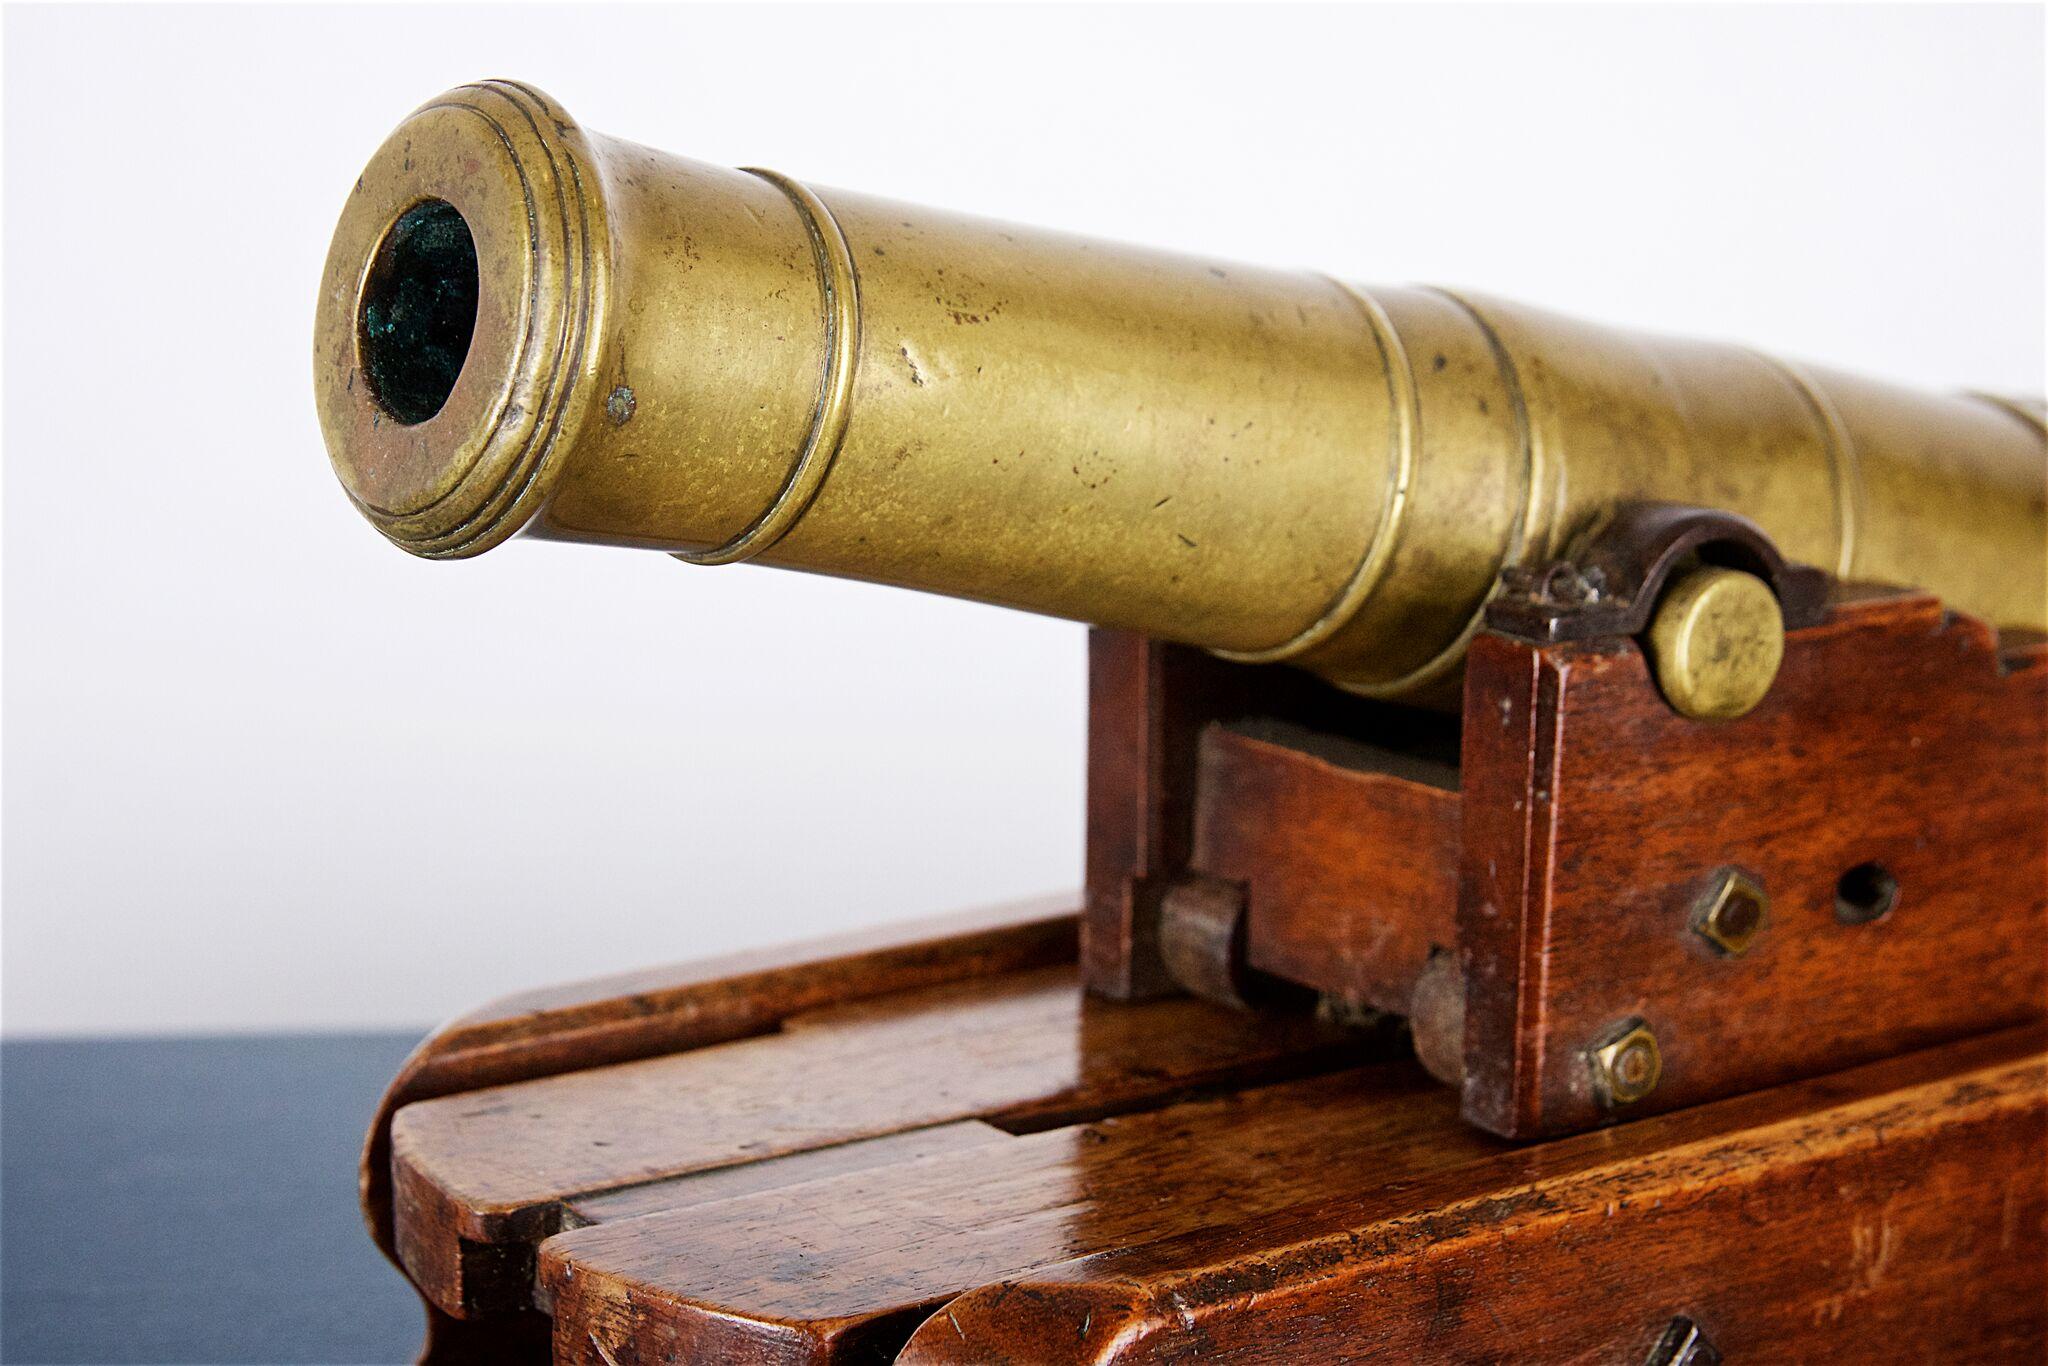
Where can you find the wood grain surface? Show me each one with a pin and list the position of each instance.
(687, 1005)
(772, 1173)
(663, 1010)
(1348, 854)
(482, 1176)
(1145, 704)
(1895, 1213)
(1595, 818)
(1148, 703)
(842, 1269)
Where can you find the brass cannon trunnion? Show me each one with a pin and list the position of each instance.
(1681, 806)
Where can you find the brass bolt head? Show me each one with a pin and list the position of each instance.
(1627, 1067)
(1732, 914)
(1716, 642)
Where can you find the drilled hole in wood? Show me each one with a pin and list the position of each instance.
(1865, 893)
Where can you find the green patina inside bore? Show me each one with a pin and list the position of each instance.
(418, 311)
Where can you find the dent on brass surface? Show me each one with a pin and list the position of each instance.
(1273, 464)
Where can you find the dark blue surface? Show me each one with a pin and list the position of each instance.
(194, 1200)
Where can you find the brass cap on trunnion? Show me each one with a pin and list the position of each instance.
(1716, 642)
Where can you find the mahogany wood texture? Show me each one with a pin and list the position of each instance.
(1147, 703)
(1892, 1213)
(1895, 1213)
(482, 1176)
(721, 1183)
(842, 1269)
(1565, 853)
(662, 1010)
(665, 1010)
(1595, 818)
(1348, 855)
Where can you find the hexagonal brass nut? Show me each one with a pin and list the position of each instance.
(1732, 914)
(1628, 1066)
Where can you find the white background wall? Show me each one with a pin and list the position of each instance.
(258, 772)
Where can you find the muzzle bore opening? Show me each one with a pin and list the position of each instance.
(417, 312)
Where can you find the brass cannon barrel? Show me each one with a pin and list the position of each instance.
(527, 327)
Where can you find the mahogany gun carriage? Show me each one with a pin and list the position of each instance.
(1567, 869)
